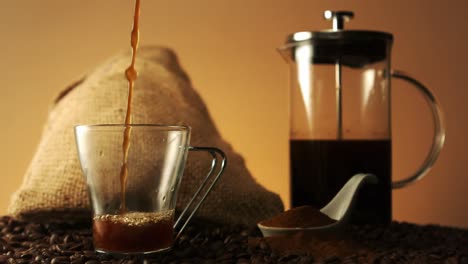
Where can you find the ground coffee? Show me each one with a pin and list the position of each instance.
(320, 246)
(302, 216)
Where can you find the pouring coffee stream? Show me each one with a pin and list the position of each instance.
(131, 75)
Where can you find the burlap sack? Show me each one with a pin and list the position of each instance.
(54, 186)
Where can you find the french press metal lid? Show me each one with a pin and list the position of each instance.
(354, 48)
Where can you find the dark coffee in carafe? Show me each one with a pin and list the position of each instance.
(320, 168)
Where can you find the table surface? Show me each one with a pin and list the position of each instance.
(23, 242)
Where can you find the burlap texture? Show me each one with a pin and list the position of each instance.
(54, 187)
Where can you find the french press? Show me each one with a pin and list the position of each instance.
(340, 116)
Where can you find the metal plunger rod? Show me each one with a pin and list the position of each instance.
(339, 18)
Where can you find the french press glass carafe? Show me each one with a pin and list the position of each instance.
(340, 116)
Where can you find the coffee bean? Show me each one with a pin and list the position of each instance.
(209, 254)
(244, 233)
(67, 252)
(17, 237)
(216, 245)
(186, 252)
(242, 255)
(26, 244)
(55, 248)
(257, 259)
(67, 239)
(305, 260)
(216, 232)
(227, 239)
(53, 239)
(232, 247)
(92, 262)
(17, 229)
(288, 258)
(35, 236)
(243, 261)
(88, 253)
(225, 256)
(5, 230)
(268, 259)
(183, 238)
(23, 261)
(12, 223)
(75, 247)
(104, 257)
(263, 245)
(26, 256)
(57, 260)
(34, 227)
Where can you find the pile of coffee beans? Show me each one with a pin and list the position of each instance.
(22, 242)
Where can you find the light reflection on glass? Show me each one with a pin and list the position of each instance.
(300, 36)
(368, 84)
(303, 56)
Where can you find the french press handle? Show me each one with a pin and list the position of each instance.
(439, 130)
(339, 18)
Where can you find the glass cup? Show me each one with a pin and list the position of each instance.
(135, 213)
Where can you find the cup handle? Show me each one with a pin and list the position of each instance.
(214, 162)
(439, 130)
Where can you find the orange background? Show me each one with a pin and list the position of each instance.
(228, 49)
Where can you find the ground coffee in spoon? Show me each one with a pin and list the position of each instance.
(302, 216)
(319, 246)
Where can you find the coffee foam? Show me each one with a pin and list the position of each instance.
(137, 218)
